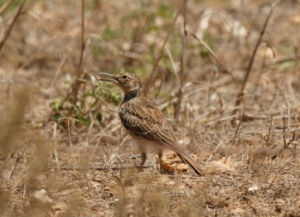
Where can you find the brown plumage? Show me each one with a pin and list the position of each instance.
(144, 121)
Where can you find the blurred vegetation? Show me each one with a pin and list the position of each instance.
(80, 159)
(12, 6)
(88, 104)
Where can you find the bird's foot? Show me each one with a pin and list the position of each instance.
(143, 157)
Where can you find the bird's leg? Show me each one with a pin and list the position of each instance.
(159, 165)
(144, 158)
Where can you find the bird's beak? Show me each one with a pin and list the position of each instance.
(107, 77)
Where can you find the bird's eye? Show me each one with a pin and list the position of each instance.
(124, 76)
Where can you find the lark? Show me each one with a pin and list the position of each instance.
(144, 121)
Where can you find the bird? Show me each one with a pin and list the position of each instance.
(144, 121)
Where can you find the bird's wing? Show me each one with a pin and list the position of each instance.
(144, 119)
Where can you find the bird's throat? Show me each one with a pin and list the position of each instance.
(129, 96)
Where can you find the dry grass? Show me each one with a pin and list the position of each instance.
(83, 160)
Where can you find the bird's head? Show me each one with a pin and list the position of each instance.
(130, 83)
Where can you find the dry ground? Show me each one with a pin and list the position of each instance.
(74, 159)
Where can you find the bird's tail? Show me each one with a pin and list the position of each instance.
(188, 159)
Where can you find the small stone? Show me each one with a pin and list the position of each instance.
(42, 196)
(171, 162)
(107, 188)
(295, 19)
(238, 211)
(109, 140)
(171, 183)
(218, 167)
(253, 188)
(182, 167)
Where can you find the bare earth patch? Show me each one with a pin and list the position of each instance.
(71, 157)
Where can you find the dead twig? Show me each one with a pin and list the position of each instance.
(5, 6)
(240, 95)
(160, 54)
(267, 138)
(11, 25)
(286, 59)
(113, 166)
(75, 87)
(285, 143)
(288, 161)
(182, 64)
(238, 128)
(58, 70)
(221, 65)
(215, 150)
